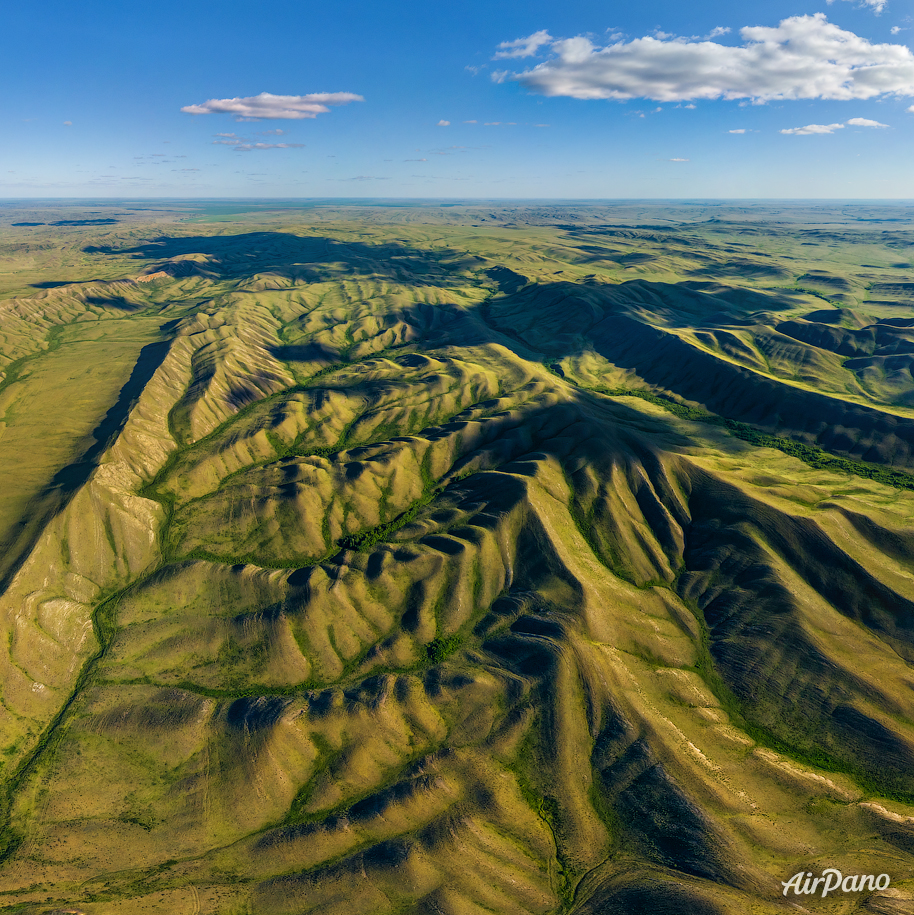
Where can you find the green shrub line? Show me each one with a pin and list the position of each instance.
(809, 454)
(805, 290)
(528, 763)
(103, 628)
(366, 540)
(805, 751)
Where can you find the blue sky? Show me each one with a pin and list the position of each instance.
(468, 99)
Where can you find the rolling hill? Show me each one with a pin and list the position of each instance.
(461, 560)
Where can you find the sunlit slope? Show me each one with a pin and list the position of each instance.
(374, 602)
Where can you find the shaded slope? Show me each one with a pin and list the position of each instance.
(636, 327)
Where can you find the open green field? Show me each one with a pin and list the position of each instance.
(543, 558)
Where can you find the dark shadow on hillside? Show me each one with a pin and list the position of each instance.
(118, 302)
(632, 325)
(304, 352)
(623, 323)
(66, 482)
(308, 258)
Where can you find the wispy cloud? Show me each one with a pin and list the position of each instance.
(804, 57)
(813, 129)
(831, 128)
(443, 123)
(523, 47)
(680, 160)
(271, 107)
(738, 130)
(244, 144)
(876, 5)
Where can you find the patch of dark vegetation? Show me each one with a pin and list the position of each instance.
(439, 649)
(806, 290)
(366, 540)
(18, 224)
(825, 279)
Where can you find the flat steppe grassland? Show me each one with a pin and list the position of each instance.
(462, 560)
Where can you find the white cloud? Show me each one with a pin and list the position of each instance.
(523, 47)
(719, 30)
(271, 107)
(910, 110)
(443, 123)
(831, 128)
(813, 128)
(67, 123)
(739, 130)
(803, 57)
(680, 160)
(876, 5)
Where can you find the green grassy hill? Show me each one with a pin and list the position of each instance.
(473, 560)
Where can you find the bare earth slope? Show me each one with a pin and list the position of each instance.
(501, 560)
